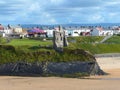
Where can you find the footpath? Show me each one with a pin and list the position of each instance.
(107, 55)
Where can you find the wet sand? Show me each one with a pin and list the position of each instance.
(107, 82)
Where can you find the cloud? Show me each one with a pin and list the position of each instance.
(83, 3)
(59, 11)
(96, 18)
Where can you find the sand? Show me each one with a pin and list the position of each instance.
(108, 82)
(109, 62)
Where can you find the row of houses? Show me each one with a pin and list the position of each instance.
(98, 31)
(37, 32)
(10, 30)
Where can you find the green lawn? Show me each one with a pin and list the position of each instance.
(112, 45)
(86, 39)
(32, 50)
(114, 39)
(29, 42)
(86, 43)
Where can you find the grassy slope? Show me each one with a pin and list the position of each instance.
(30, 51)
(88, 43)
(101, 48)
(114, 39)
(86, 39)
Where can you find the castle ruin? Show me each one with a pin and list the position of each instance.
(59, 39)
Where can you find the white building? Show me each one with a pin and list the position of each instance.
(17, 29)
(2, 34)
(101, 32)
(79, 32)
(5, 31)
(49, 32)
(8, 31)
(116, 31)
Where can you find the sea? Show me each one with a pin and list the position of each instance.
(72, 25)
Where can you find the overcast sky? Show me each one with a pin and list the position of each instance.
(59, 11)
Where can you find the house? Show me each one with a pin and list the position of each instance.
(49, 32)
(99, 31)
(2, 34)
(4, 31)
(79, 32)
(36, 32)
(116, 30)
(1, 27)
(8, 31)
(17, 29)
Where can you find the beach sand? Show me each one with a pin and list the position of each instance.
(107, 82)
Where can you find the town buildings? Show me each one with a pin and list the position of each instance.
(10, 31)
(100, 31)
(46, 31)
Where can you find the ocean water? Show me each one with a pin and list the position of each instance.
(72, 25)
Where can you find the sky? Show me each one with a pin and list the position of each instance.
(59, 11)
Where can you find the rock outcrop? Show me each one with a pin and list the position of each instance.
(53, 68)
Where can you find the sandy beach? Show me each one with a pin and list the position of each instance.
(110, 65)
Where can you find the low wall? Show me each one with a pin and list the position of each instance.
(107, 55)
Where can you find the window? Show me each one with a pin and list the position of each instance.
(60, 34)
(75, 32)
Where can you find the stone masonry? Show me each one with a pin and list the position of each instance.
(59, 39)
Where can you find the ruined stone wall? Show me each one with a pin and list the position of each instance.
(59, 39)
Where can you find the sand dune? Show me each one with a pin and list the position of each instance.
(108, 82)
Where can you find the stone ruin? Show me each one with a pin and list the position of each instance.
(59, 39)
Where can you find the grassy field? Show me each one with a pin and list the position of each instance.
(29, 42)
(31, 50)
(88, 43)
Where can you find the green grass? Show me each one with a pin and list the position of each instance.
(86, 39)
(89, 44)
(10, 53)
(32, 50)
(114, 39)
(2, 40)
(101, 48)
(29, 42)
